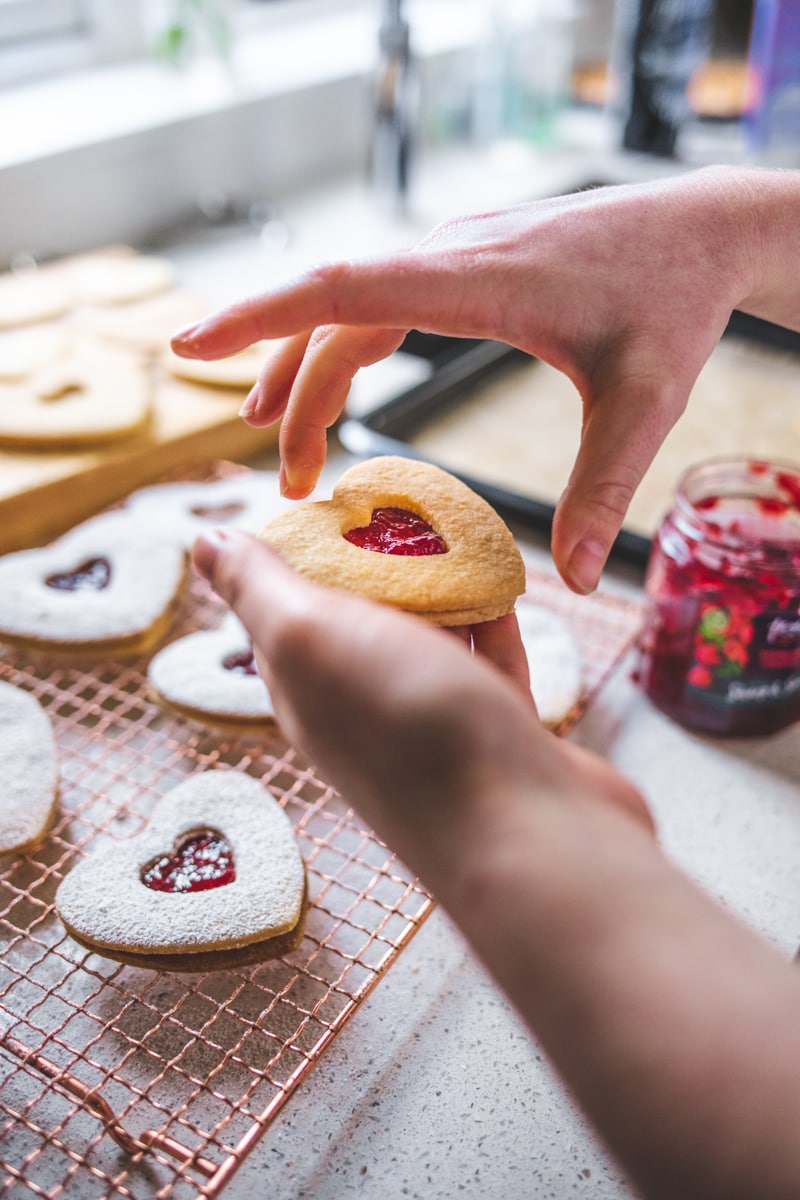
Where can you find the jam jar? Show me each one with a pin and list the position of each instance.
(720, 647)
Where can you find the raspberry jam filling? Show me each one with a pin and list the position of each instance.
(397, 531)
(91, 576)
(241, 662)
(202, 861)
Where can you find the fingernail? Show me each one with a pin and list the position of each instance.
(207, 548)
(586, 564)
(190, 335)
(251, 403)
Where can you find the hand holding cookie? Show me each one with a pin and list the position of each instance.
(409, 535)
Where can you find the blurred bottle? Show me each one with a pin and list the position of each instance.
(658, 45)
(772, 121)
(523, 70)
(395, 108)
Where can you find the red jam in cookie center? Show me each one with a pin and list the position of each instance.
(91, 576)
(202, 861)
(241, 662)
(397, 531)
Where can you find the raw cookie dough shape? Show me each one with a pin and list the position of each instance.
(478, 578)
(210, 676)
(28, 297)
(30, 770)
(554, 662)
(23, 352)
(107, 908)
(126, 579)
(241, 502)
(89, 396)
(240, 370)
(118, 277)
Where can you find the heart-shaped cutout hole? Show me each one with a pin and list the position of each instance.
(217, 512)
(397, 531)
(202, 861)
(92, 575)
(241, 662)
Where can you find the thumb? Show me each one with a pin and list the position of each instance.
(623, 430)
(251, 578)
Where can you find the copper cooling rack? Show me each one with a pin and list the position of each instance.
(118, 1081)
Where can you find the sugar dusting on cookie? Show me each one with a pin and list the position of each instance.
(104, 901)
(554, 661)
(209, 674)
(145, 573)
(30, 769)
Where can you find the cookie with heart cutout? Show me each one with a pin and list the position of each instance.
(30, 771)
(237, 371)
(107, 587)
(211, 676)
(407, 534)
(87, 396)
(215, 879)
(188, 508)
(554, 662)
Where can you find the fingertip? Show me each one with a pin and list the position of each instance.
(585, 565)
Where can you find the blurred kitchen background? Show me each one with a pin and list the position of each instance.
(145, 121)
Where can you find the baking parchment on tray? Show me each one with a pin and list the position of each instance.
(508, 424)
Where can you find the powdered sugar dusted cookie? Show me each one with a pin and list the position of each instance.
(108, 586)
(211, 676)
(215, 878)
(554, 661)
(242, 502)
(30, 770)
(407, 534)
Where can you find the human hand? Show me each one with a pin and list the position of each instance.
(423, 737)
(626, 290)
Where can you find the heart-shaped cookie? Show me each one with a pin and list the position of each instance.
(240, 502)
(214, 879)
(211, 676)
(108, 586)
(240, 370)
(554, 662)
(30, 770)
(89, 395)
(407, 534)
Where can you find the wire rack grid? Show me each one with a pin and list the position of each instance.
(120, 1081)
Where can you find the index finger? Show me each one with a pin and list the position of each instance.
(399, 291)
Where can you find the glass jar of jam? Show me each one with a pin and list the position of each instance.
(720, 648)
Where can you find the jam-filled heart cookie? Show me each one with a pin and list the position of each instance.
(212, 677)
(407, 534)
(215, 879)
(108, 586)
(30, 770)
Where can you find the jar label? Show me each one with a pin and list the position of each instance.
(745, 660)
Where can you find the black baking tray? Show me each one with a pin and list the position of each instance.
(459, 367)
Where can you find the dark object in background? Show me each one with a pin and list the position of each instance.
(668, 40)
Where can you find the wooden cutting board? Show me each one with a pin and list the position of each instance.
(43, 492)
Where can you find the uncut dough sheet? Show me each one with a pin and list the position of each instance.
(521, 430)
